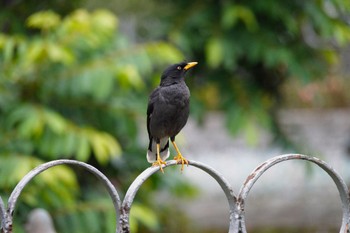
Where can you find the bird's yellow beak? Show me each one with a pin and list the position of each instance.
(190, 65)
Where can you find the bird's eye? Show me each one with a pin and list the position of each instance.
(179, 68)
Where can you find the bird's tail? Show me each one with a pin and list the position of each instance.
(152, 150)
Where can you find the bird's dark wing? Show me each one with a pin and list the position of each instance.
(152, 99)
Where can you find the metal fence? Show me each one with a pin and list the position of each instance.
(236, 202)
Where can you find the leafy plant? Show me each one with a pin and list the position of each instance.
(73, 90)
(247, 49)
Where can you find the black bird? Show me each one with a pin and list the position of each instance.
(167, 113)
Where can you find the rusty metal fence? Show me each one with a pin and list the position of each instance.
(235, 202)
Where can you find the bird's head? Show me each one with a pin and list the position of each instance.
(176, 72)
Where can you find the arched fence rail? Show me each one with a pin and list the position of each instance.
(236, 202)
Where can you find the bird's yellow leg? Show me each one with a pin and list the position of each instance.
(179, 158)
(159, 161)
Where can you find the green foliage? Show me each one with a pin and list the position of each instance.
(247, 49)
(73, 90)
(96, 214)
(74, 87)
(145, 216)
(13, 14)
(44, 20)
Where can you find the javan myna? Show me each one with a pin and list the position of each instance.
(167, 113)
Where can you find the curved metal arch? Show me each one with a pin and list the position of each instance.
(134, 187)
(255, 175)
(39, 169)
(237, 213)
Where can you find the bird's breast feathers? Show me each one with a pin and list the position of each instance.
(175, 94)
(170, 110)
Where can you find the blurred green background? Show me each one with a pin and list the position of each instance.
(75, 78)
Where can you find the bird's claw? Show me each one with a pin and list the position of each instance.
(181, 160)
(159, 163)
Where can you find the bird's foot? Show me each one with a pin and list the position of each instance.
(159, 163)
(180, 159)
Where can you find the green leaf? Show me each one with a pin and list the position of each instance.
(251, 133)
(9, 46)
(102, 85)
(104, 20)
(83, 149)
(144, 215)
(44, 20)
(3, 39)
(15, 167)
(90, 220)
(103, 145)
(235, 119)
(35, 52)
(69, 145)
(57, 53)
(128, 76)
(55, 122)
(236, 12)
(214, 52)
(163, 53)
